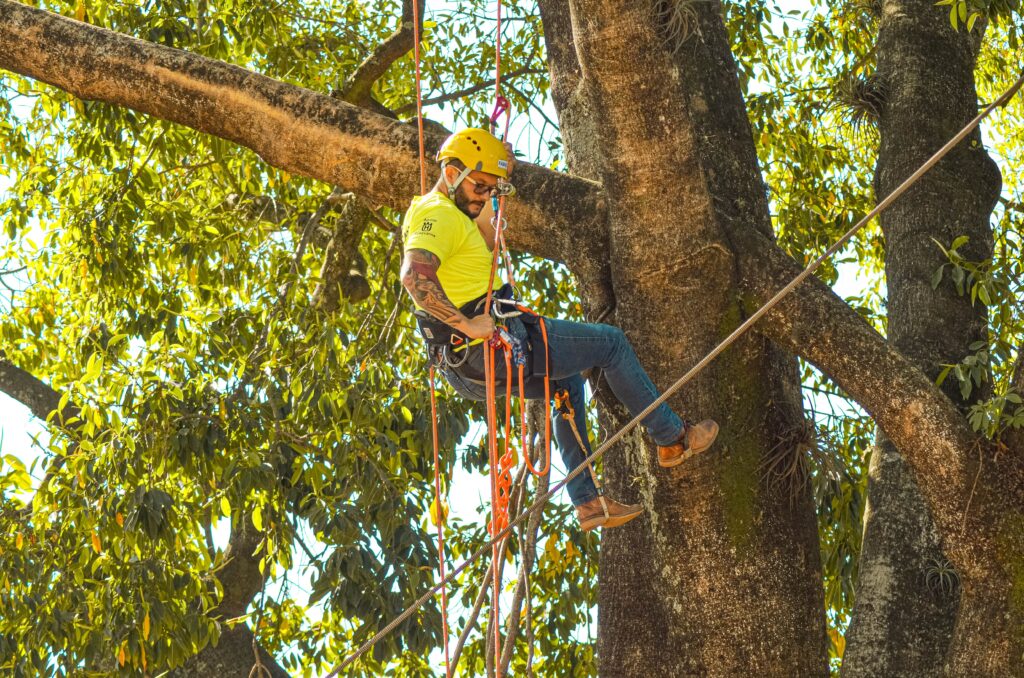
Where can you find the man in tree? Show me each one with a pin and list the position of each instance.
(447, 270)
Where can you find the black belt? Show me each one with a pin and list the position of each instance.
(437, 333)
(448, 348)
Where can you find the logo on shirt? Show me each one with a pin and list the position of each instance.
(427, 225)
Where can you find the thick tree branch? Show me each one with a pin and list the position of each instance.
(563, 65)
(292, 128)
(41, 400)
(816, 324)
(578, 123)
(342, 275)
(240, 576)
(356, 89)
(31, 392)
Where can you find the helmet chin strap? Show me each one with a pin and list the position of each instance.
(452, 187)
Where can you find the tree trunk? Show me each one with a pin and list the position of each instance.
(906, 607)
(231, 658)
(715, 536)
(904, 610)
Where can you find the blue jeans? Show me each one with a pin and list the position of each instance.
(574, 347)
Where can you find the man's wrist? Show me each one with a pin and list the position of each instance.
(461, 323)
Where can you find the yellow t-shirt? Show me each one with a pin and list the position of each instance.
(433, 223)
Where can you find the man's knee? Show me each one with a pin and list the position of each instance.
(616, 337)
(612, 331)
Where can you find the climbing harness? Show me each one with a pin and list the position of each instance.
(542, 500)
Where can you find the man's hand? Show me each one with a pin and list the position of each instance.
(478, 327)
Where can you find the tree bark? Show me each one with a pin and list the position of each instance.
(716, 536)
(903, 625)
(232, 657)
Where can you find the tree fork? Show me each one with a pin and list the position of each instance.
(975, 494)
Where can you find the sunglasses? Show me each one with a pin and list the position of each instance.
(480, 188)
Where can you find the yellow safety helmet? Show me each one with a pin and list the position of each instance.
(478, 150)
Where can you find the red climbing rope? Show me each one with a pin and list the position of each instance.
(497, 56)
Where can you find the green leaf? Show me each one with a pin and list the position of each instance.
(257, 518)
(93, 368)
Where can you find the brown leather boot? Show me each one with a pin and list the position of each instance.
(605, 512)
(695, 439)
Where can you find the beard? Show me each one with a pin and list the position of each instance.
(470, 206)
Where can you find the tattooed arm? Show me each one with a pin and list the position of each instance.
(419, 276)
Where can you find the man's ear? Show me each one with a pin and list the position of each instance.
(449, 177)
